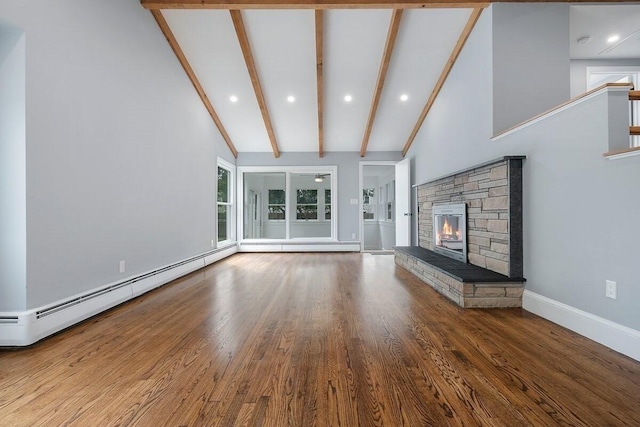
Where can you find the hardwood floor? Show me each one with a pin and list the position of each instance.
(314, 339)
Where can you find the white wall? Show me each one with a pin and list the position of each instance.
(120, 152)
(580, 224)
(13, 204)
(530, 60)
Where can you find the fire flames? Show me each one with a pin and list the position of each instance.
(446, 228)
(447, 233)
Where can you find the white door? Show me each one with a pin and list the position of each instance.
(403, 203)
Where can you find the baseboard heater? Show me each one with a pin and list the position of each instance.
(19, 329)
(293, 246)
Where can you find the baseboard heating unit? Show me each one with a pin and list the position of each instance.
(18, 329)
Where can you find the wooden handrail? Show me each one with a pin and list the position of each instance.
(634, 130)
(621, 151)
(634, 95)
(564, 104)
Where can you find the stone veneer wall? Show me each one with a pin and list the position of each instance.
(493, 195)
(467, 295)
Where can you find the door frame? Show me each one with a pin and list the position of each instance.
(361, 166)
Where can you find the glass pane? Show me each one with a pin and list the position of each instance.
(276, 197)
(307, 197)
(307, 202)
(368, 195)
(368, 203)
(264, 202)
(307, 212)
(277, 212)
(223, 185)
(327, 204)
(223, 222)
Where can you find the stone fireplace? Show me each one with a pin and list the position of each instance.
(474, 217)
(492, 193)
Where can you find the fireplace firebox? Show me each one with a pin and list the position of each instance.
(450, 230)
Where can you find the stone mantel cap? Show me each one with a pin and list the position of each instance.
(481, 165)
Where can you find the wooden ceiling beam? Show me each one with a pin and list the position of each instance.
(238, 23)
(342, 4)
(392, 35)
(475, 14)
(321, 4)
(319, 70)
(164, 27)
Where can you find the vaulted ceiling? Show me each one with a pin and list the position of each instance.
(315, 76)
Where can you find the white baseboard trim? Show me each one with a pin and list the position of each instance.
(19, 329)
(613, 335)
(300, 247)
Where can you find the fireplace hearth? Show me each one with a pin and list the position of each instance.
(450, 230)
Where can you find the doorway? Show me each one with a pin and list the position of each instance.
(384, 205)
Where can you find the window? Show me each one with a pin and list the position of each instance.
(287, 202)
(307, 204)
(327, 204)
(225, 201)
(277, 205)
(368, 203)
(391, 199)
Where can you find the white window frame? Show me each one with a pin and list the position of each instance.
(332, 171)
(231, 212)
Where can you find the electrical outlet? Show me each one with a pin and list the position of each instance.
(353, 235)
(212, 244)
(122, 267)
(611, 290)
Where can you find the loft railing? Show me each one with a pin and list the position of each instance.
(634, 129)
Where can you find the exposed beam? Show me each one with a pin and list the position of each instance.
(319, 64)
(382, 74)
(319, 4)
(241, 32)
(343, 4)
(162, 23)
(475, 14)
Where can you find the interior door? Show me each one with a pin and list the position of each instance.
(403, 203)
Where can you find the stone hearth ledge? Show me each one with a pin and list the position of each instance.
(467, 285)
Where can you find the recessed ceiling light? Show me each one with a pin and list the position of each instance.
(233, 98)
(404, 97)
(291, 98)
(614, 38)
(348, 98)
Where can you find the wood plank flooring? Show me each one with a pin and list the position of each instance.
(314, 340)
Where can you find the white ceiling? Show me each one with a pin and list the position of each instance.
(599, 22)
(284, 50)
